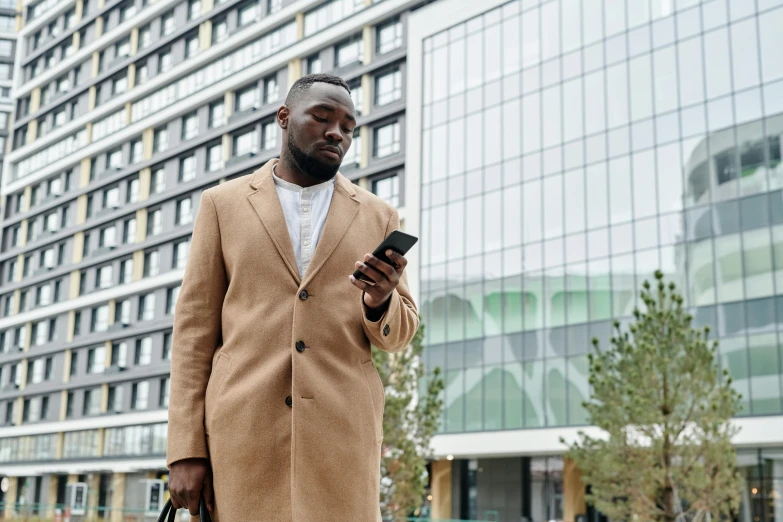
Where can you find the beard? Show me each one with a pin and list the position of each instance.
(311, 166)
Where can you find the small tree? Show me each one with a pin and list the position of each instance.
(410, 420)
(657, 395)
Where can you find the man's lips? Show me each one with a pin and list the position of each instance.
(332, 152)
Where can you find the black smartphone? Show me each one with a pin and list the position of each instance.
(397, 241)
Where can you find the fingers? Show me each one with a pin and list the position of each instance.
(362, 285)
(175, 502)
(397, 259)
(193, 502)
(209, 493)
(381, 266)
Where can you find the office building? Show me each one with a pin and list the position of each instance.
(559, 152)
(126, 111)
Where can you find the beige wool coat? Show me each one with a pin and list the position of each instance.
(251, 337)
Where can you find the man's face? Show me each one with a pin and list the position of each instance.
(320, 130)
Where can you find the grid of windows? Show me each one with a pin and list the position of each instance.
(606, 149)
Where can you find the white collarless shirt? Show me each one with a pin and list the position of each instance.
(305, 210)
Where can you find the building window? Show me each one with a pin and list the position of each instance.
(194, 9)
(215, 157)
(155, 223)
(219, 31)
(96, 360)
(158, 181)
(216, 114)
(119, 85)
(247, 13)
(105, 276)
(246, 99)
(140, 395)
(115, 398)
(122, 48)
(108, 237)
(143, 352)
(388, 87)
(349, 52)
(167, 346)
(171, 299)
(164, 61)
(134, 186)
(181, 251)
(270, 135)
(111, 198)
(77, 323)
(151, 264)
(314, 65)
(160, 141)
(386, 140)
(126, 271)
(245, 143)
(100, 319)
(119, 351)
(165, 389)
(74, 364)
(271, 89)
(145, 37)
(184, 212)
(357, 95)
(137, 151)
(127, 11)
(167, 24)
(129, 231)
(147, 307)
(189, 126)
(274, 6)
(191, 46)
(92, 402)
(389, 36)
(142, 73)
(354, 155)
(388, 189)
(187, 169)
(122, 315)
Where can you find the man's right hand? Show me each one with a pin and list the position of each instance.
(186, 481)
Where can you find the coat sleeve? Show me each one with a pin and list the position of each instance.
(397, 326)
(196, 335)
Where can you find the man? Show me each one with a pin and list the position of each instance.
(275, 407)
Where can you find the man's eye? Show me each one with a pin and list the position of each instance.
(322, 120)
(348, 131)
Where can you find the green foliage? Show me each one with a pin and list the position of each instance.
(409, 422)
(665, 410)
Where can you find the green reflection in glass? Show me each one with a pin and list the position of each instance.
(455, 401)
(556, 299)
(493, 307)
(473, 399)
(764, 374)
(473, 311)
(512, 395)
(533, 292)
(512, 305)
(734, 357)
(556, 391)
(600, 305)
(493, 398)
(534, 394)
(578, 390)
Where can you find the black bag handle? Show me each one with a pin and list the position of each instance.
(169, 513)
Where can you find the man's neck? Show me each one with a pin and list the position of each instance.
(288, 171)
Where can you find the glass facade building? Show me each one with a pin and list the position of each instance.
(568, 149)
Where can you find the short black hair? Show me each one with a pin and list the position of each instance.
(303, 84)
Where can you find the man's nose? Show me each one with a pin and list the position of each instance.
(333, 133)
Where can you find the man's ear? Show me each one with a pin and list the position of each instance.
(283, 113)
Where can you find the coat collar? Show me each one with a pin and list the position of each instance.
(342, 210)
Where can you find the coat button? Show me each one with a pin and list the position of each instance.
(303, 295)
(386, 330)
(300, 346)
(289, 402)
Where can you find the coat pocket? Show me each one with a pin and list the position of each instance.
(377, 395)
(214, 387)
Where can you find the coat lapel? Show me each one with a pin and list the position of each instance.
(267, 205)
(342, 210)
